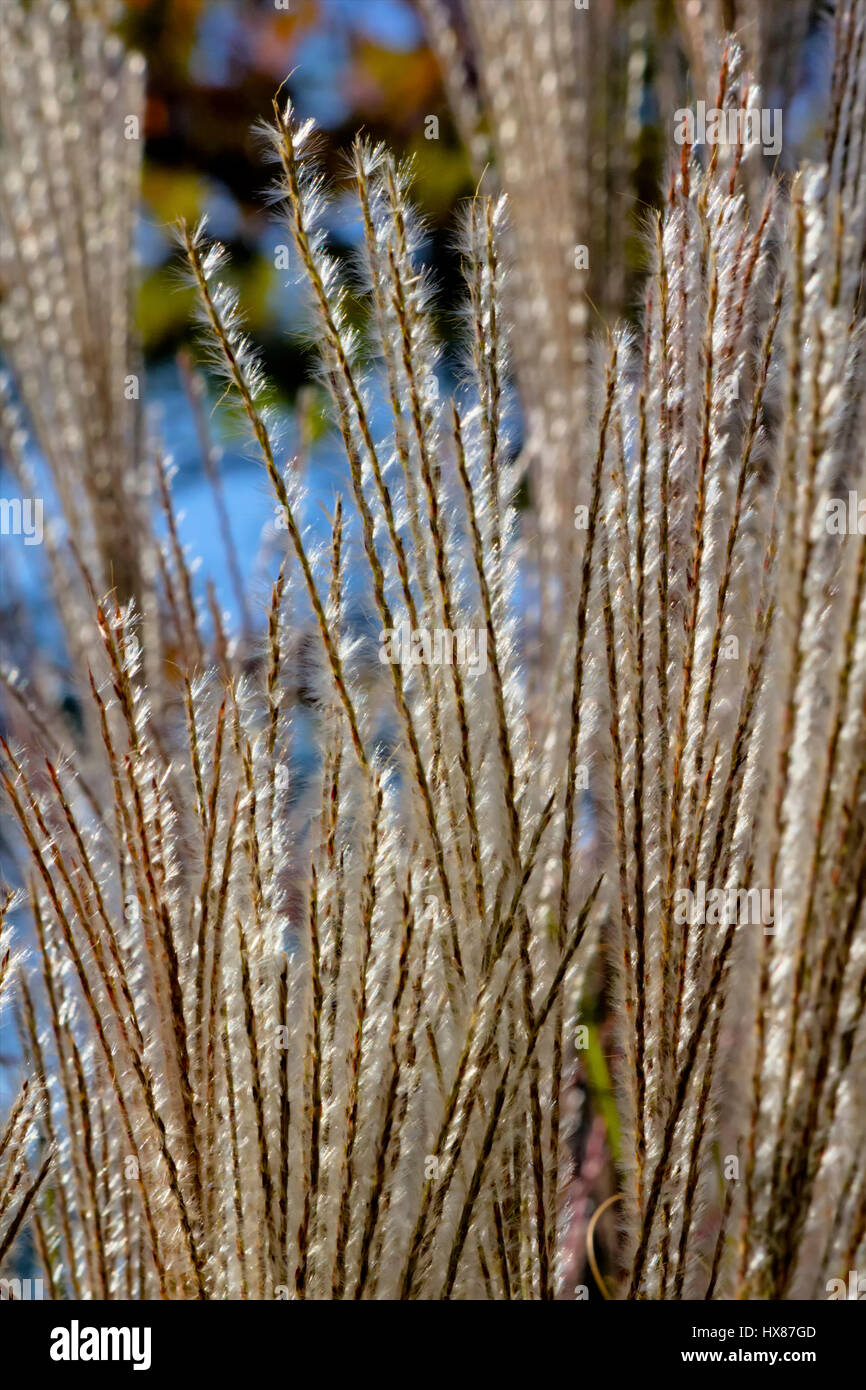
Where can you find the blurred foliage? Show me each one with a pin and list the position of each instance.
(213, 68)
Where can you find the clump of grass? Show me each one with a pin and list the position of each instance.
(337, 985)
(734, 632)
(314, 1035)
